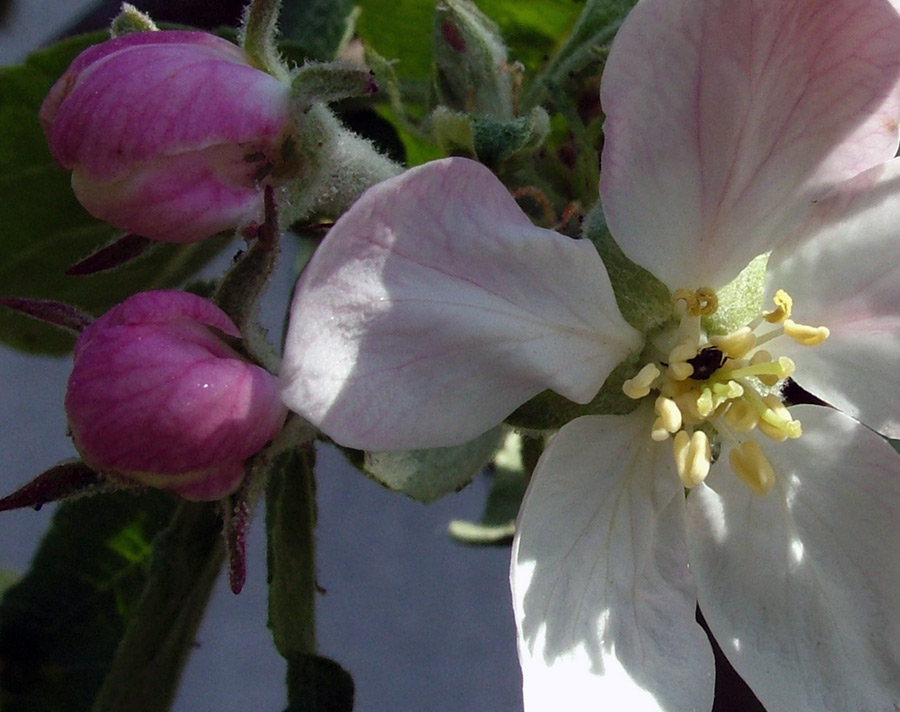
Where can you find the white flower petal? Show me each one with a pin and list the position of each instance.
(434, 308)
(604, 601)
(800, 586)
(847, 277)
(725, 118)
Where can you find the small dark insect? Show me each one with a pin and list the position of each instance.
(706, 363)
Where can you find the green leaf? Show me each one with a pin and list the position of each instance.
(583, 50)
(318, 26)
(509, 481)
(43, 228)
(290, 522)
(61, 623)
(147, 666)
(427, 475)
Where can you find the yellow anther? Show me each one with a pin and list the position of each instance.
(750, 464)
(759, 357)
(692, 457)
(640, 385)
(775, 420)
(737, 344)
(806, 335)
(688, 297)
(659, 432)
(679, 368)
(782, 310)
(700, 302)
(741, 416)
(687, 404)
(669, 414)
(705, 402)
(707, 301)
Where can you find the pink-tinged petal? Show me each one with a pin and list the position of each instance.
(603, 596)
(142, 100)
(156, 395)
(847, 277)
(185, 197)
(434, 308)
(726, 119)
(800, 586)
(159, 307)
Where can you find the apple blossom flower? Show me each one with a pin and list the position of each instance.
(158, 396)
(749, 153)
(171, 135)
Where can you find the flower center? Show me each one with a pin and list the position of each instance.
(724, 387)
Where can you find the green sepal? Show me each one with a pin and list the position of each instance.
(741, 300)
(61, 623)
(453, 132)
(129, 20)
(319, 82)
(644, 301)
(496, 141)
(428, 475)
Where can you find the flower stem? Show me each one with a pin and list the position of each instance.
(147, 667)
(290, 522)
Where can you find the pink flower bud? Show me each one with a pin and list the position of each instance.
(157, 395)
(170, 135)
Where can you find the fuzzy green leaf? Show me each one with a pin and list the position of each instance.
(428, 475)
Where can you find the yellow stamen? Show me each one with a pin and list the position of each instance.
(806, 335)
(640, 385)
(750, 464)
(692, 457)
(679, 368)
(782, 311)
(707, 301)
(775, 420)
(741, 416)
(759, 357)
(669, 414)
(700, 302)
(737, 344)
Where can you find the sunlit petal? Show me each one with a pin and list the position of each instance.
(603, 597)
(800, 586)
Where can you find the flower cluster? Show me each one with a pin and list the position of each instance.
(748, 162)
